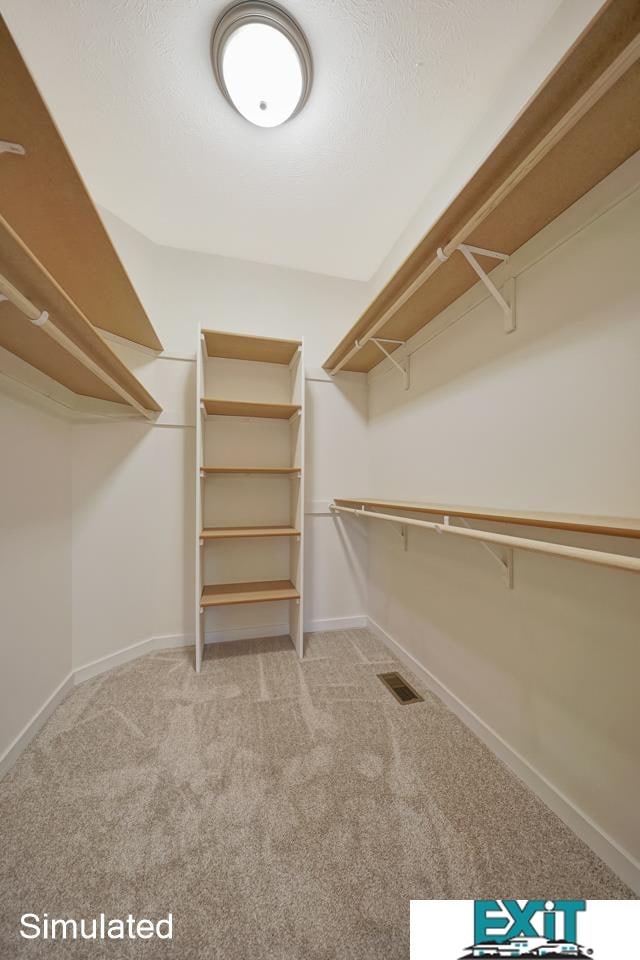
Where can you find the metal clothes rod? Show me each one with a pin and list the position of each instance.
(605, 81)
(40, 318)
(598, 557)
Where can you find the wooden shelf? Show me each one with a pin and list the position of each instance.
(243, 408)
(583, 122)
(230, 445)
(611, 526)
(43, 199)
(233, 346)
(234, 533)
(265, 591)
(257, 471)
(35, 345)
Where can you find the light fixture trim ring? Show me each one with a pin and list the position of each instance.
(255, 11)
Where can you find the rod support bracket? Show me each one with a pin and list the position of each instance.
(38, 321)
(403, 367)
(506, 302)
(6, 146)
(504, 558)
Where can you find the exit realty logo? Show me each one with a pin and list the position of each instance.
(549, 929)
(531, 928)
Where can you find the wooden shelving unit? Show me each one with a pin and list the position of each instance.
(440, 518)
(267, 591)
(258, 471)
(59, 272)
(67, 347)
(231, 346)
(243, 408)
(249, 487)
(608, 526)
(244, 533)
(44, 199)
(582, 123)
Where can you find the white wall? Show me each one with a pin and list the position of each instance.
(132, 556)
(133, 483)
(545, 419)
(35, 562)
(336, 460)
(181, 289)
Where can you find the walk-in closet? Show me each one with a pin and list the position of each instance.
(320, 479)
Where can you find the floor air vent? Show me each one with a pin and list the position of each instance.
(400, 688)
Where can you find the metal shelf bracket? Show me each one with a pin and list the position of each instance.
(504, 558)
(508, 302)
(402, 367)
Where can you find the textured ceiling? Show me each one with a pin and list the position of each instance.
(399, 85)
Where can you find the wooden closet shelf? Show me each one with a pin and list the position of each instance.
(610, 526)
(67, 347)
(44, 200)
(243, 408)
(581, 124)
(219, 594)
(232, 533)
(259, 471)
(231, 346)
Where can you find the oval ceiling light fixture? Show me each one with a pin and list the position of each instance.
(262, 62)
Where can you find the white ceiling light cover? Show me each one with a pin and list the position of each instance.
(262, 62)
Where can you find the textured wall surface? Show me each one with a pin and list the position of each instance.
(402, 90)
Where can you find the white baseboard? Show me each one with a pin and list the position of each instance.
(95, 667)
(336, 623)
(621, 861)
(30, 729)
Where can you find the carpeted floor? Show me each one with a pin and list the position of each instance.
(280, 810)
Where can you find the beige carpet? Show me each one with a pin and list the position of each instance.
(280, 810)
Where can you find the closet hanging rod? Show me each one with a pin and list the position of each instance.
(618, 561)
(40, 318)
(590, 97)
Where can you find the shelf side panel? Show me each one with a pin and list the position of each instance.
(199, 625)
(297, 428)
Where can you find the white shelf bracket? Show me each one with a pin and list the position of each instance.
(38, 321)
(6, 146)
(508, 304)
(402, 367)
(504, 558)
